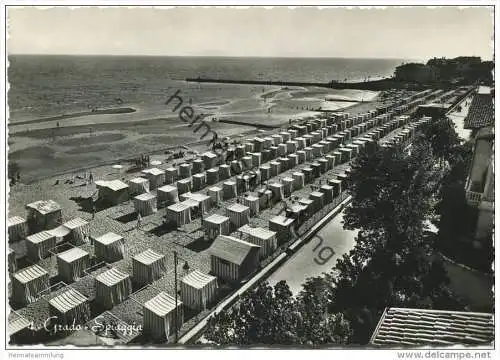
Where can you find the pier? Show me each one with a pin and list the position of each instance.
(375, 85)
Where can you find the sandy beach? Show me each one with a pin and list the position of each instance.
(84, 140)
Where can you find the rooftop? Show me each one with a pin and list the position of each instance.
(481, 112)
(162, 304)
(197, 279)
(231, 249)
(72, 254)
(216, 219)
(237, 208)
(111, 277)
(145, 197)
(67, 300)
(108, 238)
(44, 206)
(405, 326)
(153, 171)
(148, 257)
(30, 273)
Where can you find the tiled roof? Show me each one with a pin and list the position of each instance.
(404, 326)
(481, 112)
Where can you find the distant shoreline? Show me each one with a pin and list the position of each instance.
(124, 110)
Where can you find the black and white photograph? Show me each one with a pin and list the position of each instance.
(249, 177)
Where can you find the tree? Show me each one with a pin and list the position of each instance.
(270, 315)
(443, 138)
(392, 262)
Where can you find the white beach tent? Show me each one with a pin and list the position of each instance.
(264, 238)
(138, 185)
(216, 225)
(112, 288)
(148, 266)
(179, 214)
(145, 204)
(167, 195)
(71, 264)
(156, 177)
(198, 290)
(18, 228)
(70, 307)
(109, 247)
(28, 283)
(159, 316)
(238, 214)
(38, 245)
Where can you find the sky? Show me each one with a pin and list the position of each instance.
(409, 33)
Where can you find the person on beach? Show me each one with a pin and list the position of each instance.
(139, 220)
(91, 177)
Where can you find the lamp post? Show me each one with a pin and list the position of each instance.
(176, 316)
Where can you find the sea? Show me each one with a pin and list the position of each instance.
(46, 85)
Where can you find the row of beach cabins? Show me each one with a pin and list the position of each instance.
(324, 142)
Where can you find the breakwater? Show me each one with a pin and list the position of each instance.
(257, 125)
(375, 85)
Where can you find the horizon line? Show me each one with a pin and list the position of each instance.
(220, 56)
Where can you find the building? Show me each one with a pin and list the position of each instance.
(418, 327)
(43, 215)
(198, 290)
(480, 187)
(232, 259)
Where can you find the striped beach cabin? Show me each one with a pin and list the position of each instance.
(138, 185)
(159, 316)
(112, 287)
(109, 247)
(71, 264)
(28, 283)
(70, 307)
(216, 225)
(38, 245)
(264, 238)
(148, 266)
(198, 290)
(233, 259)
(18, 228)
(43, 215)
